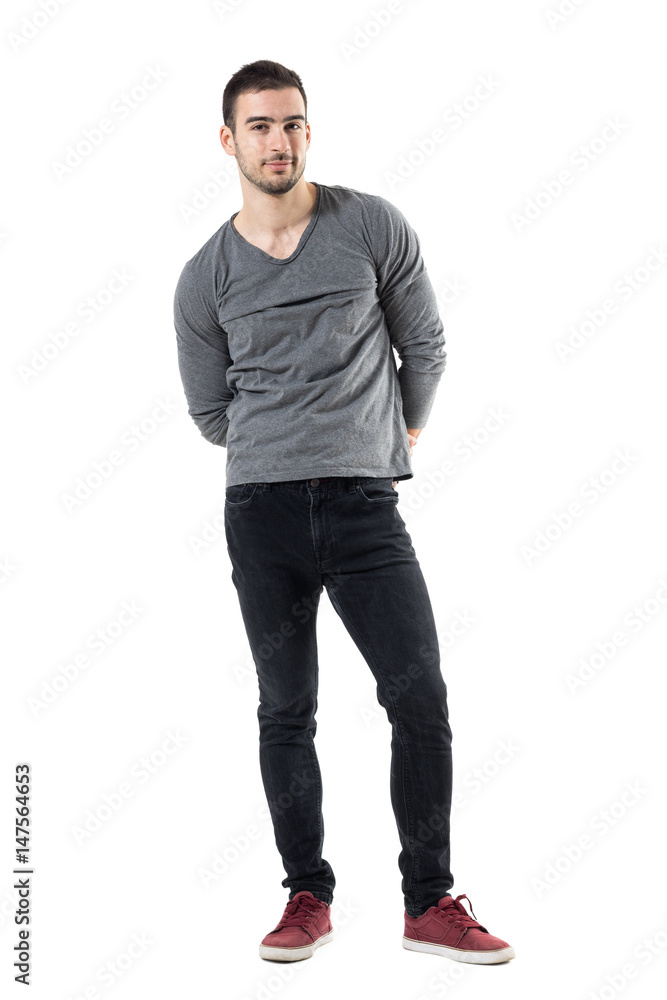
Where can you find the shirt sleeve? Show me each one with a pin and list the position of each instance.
(410, 307)
(203, 356)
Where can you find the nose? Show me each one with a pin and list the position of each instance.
(280, 142)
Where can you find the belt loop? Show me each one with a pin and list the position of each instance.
(266, 487)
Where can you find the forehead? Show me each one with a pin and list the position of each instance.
(272, 103)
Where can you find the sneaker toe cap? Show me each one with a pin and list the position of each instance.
(275, 940)
(289, 937)
(488, 942)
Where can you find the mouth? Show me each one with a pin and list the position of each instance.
(279, 165)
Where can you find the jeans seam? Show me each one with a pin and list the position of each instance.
(313, 753)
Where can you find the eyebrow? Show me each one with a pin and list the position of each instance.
(264, 118)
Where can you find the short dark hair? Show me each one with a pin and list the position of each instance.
(253, 77)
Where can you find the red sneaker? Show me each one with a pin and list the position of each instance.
(304, 926)
(447, 929)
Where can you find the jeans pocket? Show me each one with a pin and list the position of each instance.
(240, 494)
(377, 491)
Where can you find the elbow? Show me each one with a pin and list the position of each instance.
(212, 427)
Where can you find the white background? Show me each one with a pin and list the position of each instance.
(181, 664)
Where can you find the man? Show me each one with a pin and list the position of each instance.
(286, 321)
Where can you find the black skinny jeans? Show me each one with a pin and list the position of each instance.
(286, 541)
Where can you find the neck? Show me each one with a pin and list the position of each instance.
(269, 213)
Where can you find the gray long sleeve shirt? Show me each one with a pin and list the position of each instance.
(289, 363)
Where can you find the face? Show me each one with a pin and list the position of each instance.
(270, 129)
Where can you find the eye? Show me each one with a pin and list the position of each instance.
(296, 125)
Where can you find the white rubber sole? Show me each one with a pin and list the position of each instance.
(293, 954)
(460, 954)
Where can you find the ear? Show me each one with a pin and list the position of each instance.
(227, 140)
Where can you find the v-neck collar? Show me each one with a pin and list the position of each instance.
(303, 239)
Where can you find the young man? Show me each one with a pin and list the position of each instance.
(286, 321)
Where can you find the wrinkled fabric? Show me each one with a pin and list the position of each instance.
(289, 364)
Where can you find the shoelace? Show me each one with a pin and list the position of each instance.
(299, 912)
(453, 911)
